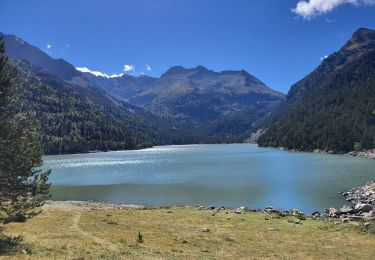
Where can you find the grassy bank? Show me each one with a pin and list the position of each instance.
(67, 231)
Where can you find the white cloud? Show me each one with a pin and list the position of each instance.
(67, 45)
(330, 20)
(98, 73)
(129, 68)
(324, 57)
(311, 8)
(49, 46)
(148, 67)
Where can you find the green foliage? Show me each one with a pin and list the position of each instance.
(329, 112)
(358, 147)
(74, 119)
(140, 238)
(23, 185)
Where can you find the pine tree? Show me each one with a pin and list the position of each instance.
(23, 186)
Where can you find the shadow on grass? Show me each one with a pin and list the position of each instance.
(9, 245)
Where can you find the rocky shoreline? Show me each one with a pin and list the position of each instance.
(361, 208)
(363, 201)
(369, 154)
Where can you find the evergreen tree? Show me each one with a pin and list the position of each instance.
(23, 186)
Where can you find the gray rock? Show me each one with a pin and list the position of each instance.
(363, 207)
(240, 210)
(229, 239)
(331, 212)
(316, 214)
(369, 215)
(271, 210)
(346, 209)
(367, 225)
(294, 212)
(204, 229)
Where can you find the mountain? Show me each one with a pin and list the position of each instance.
(218, 106)
(75, 118)
(214, 106)
(21, 50)
(333, 108)
(195, 94)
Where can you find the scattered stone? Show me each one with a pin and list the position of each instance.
(294, 221)
(355, 217)
(185, 241)
(271, 210)
(204, 229)
(204, 250)
(272, 228)
(367, 225)
(295, 212)
(354, 223)
(238, 211)
(316, 214)
(229, 239)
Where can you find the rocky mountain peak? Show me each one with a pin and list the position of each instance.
(362, 40)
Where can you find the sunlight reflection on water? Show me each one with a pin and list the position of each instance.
(229, 175)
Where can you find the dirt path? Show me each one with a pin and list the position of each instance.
(75, 226)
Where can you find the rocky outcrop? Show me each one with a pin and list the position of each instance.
(363, 200)
(370, 154)
(363, 195)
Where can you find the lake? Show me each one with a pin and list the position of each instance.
(229, 175)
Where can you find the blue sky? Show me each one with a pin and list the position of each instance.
(267, 38)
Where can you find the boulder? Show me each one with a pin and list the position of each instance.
(346, 209)
(271, 210)
(369, 215)
(331, 212)
(363, 207)
(316, 214)
(241, 210)
(238, 211)
(295, 212)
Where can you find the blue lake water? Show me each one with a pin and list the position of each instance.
(229, 175)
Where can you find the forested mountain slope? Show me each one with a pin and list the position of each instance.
(333, 108)
(214, 106)
(75, 119)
